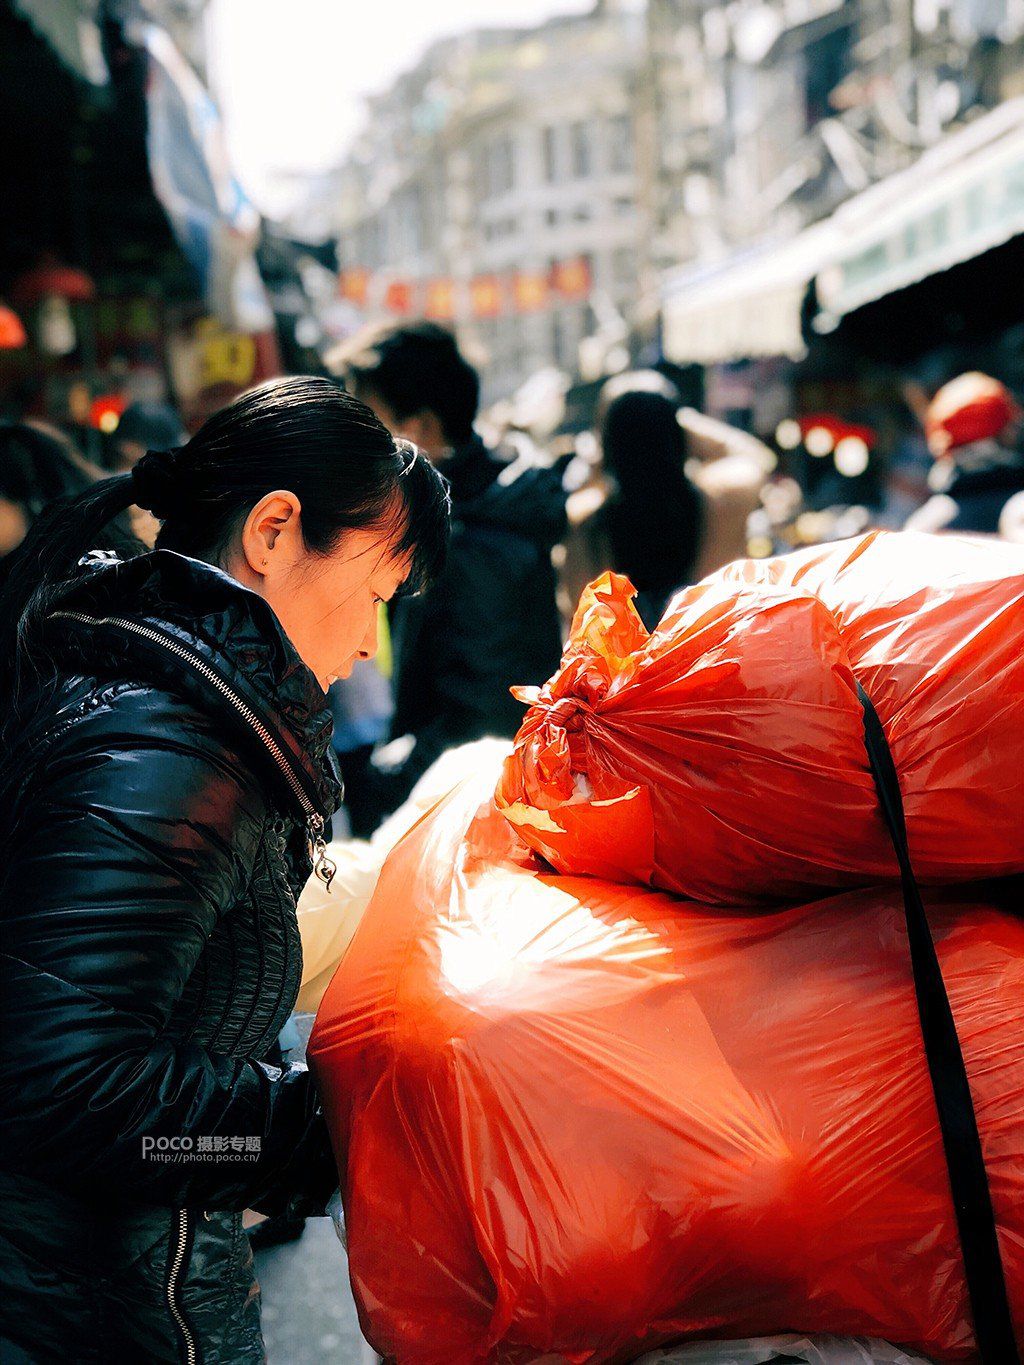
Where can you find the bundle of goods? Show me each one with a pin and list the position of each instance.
(723, 757)
(330, 915)
(575, 1119)
(578, 1118)
(791, 1348)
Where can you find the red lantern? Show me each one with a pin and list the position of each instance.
(354, 285)
(439, 301)
(571, 279)
(398, 297)
(12, 333)
(529, 291)
(485, 294)
(106, 411)
(837, 427)
(51, 279)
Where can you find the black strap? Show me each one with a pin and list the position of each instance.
(979, 1241)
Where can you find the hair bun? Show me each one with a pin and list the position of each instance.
(156, 483)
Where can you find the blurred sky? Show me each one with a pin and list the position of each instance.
(289, 74)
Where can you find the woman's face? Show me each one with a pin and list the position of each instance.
(328, 605)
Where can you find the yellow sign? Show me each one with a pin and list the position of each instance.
(224, 357)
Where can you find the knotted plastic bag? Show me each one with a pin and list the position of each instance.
(722, 757)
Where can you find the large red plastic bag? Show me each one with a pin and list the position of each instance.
(723, 758)
(575, 1120)
(819, 1350)
(329, 915)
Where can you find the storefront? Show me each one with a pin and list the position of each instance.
(863, 315)
(125, 317)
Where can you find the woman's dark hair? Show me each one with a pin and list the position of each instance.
(655, 519)
(38, 466)
(302, 433)
(413, 367)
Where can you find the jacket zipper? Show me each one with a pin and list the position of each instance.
(177, 1261)
(323, 866)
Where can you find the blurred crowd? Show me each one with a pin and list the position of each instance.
(653, 489)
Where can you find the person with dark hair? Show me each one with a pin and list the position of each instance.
(492, 621)
(145, 426)
(166, 784)
(418, 380)
(644, 518)
(37, 466)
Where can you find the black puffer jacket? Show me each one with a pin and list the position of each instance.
(156, 813)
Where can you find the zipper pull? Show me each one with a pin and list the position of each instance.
(324, 867)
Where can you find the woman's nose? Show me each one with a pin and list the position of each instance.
(369, 646)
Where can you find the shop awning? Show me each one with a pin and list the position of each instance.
(745, 307)
(961, 198)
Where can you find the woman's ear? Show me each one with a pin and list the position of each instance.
(272, 534)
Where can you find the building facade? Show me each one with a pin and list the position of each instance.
(640, 140)
(505, 154)
(770, 113)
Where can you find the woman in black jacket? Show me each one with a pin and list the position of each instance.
(166, 784)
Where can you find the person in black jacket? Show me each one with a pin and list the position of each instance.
(492, 621)
(165, 787)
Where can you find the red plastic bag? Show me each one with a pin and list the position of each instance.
(722, 757)
(575, 1120)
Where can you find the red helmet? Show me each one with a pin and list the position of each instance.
(972, 407)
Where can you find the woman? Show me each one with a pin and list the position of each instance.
(166, 783)
(643, 518)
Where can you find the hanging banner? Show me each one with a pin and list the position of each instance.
(215, 224)
(443, 299)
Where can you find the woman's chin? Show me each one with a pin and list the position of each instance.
(338, 675)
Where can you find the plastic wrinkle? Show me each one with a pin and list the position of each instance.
(577, 1119)
(739, 719)
(585, 1103)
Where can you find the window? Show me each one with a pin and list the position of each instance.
(550, 154)
(582, 214)
(502, 228)
(620, 144)
(551, 217)
(579, 137)
(500, 167)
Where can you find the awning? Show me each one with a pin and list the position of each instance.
(71, 29)
(961, 198)
(747, 306)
